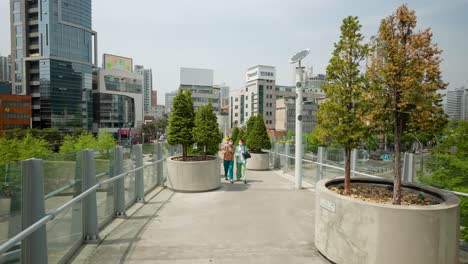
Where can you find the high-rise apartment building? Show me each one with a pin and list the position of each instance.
(147, 75)
(154, 98)
(260, 94)
(52, 60)
(200, 82)
(456, 105)
(5, 68)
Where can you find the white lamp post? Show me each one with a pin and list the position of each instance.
(298, 140)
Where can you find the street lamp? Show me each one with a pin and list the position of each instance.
(298, 140)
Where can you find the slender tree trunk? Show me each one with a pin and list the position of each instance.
(397, 168)
(347, 182)
(204, 151)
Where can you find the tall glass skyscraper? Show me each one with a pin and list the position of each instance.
(52, 50)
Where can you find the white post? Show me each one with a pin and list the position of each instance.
(298, 154)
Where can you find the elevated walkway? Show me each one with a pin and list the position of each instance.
(264, 221)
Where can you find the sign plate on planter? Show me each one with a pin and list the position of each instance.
(330, 206)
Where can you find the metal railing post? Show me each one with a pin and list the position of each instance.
(139, 179)
(119, 185)
(353, 161)
(90, 220)
(408, 167)
(159, 165)
(33, 247)
(319, 165)
(286, 163)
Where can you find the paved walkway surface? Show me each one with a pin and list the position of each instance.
(264, 221)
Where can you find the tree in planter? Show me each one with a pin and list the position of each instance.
(340, 117)
(206, 130)
(181, 122)
(257, 136)
(404, 76)
(241, 134)
(235, 134)
(250, 124)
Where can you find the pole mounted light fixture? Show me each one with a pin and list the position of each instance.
(297, 58)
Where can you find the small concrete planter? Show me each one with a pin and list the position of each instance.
(258, 161)
(350, 231)
(193, 176)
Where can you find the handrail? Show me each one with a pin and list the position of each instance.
(52, 214)
(356, 172)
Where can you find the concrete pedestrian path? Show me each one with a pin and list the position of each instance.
(264, 221)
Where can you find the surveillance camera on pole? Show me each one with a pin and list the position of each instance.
(298, 140)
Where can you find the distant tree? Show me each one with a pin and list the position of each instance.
(257, 138)
(105, 142)
(181, 122)
(448, 166)
(340, 117)
(206, 130)
(72, 144)
(405, 78)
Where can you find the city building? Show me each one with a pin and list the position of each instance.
(285, 117)
(154, 98)
(169, 97)
(5, 87)
(5, 68)
(53, 55)
(260, 94)
(147, 86)
(15, 111)
(157, 111)
(223, 98)
(200, 82)
(117, 96)
(456, 106)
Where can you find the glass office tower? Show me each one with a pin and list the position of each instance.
(52, 50)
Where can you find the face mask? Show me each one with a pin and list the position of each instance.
(230, 142)
(240, 143)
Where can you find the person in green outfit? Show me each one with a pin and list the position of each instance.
(241, 161)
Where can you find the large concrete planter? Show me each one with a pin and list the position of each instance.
(351, 231)
(258, 161)
(193, 176)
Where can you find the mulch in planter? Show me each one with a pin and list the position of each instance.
(193, 158)
(384, 194)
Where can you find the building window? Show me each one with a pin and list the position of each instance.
(236, 107)
(237, 99)
(16, 18)
(236, 114)
(246, 114)
(246, 97)
(19, 30)
(246, 105)
(246, 89)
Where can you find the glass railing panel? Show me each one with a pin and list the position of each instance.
(63, 182)
(10, 207)
(150, 170)
(375, 163)
(129, 179)
(105, 193)
(309, 171)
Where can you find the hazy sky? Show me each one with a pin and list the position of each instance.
(230, 36)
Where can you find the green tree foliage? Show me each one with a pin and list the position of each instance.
(181, 122)
(241, 135)
(340, 117)
(72, 144)
(290, 135)
(20, 149)
(235, 134)
(250, 127)
(257, 138)
(206, 130)
(105, 142)
(405, 75)
(448, 166)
